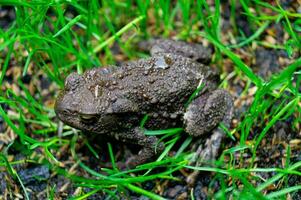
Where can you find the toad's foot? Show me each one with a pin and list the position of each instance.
(205, 153)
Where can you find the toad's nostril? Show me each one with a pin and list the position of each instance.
(72, 81)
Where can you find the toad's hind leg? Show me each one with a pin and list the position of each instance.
(196, 52)
(207, 111)
(203, 115)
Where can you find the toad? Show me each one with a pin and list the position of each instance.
(113, 100)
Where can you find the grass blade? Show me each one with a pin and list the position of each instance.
(68, 25)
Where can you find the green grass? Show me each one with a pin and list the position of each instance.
(44, 40)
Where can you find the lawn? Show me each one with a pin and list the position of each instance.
(256, 49)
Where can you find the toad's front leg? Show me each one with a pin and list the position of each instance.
(203, 116)
(150, 145)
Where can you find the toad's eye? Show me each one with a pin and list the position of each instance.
(73, 81)
(88, 119)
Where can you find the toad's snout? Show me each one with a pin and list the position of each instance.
(61, 106)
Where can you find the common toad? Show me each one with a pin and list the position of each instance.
(113, 100)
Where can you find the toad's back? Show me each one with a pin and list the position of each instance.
(160, 85)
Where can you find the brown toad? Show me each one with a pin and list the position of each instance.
(113, 100)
